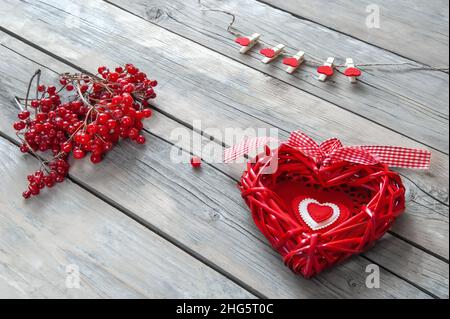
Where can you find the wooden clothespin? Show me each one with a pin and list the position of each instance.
(351, 71)
(248, 42)
(326, 70)
(271, 53)
(294, 62)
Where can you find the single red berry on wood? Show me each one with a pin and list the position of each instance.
(196, 161)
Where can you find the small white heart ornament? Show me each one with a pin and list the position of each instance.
(318, 215)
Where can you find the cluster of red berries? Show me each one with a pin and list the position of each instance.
(86, 115)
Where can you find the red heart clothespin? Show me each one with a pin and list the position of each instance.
(244, 41)
(351, 71)
(267, 52)
(247, 42)
(271, 53)
(326, 70)
(292, 62)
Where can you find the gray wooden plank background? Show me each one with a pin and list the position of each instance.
(96, 178)
(116, 257)
(240, 95)
(416, 29)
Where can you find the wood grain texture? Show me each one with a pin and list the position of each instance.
(197, 207)
(236, 97)
(116, 257)
(416, 29)
(411, 103)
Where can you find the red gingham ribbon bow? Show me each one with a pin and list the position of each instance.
(332, 151)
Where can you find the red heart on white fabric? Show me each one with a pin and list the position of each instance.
(318, 215)
(244, 41)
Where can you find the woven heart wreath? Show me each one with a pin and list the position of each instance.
(324, 203)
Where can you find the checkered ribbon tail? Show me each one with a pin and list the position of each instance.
(244, 148)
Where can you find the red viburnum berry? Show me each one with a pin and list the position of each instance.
(196, 161)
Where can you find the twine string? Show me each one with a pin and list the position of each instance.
(316, 61)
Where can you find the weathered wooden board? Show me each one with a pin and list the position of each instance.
(116, 257)
(144, 181)
(429, 274)
(235, 97)
(416, 29)
(412, 103)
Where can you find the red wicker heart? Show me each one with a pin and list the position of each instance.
(348, 207)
